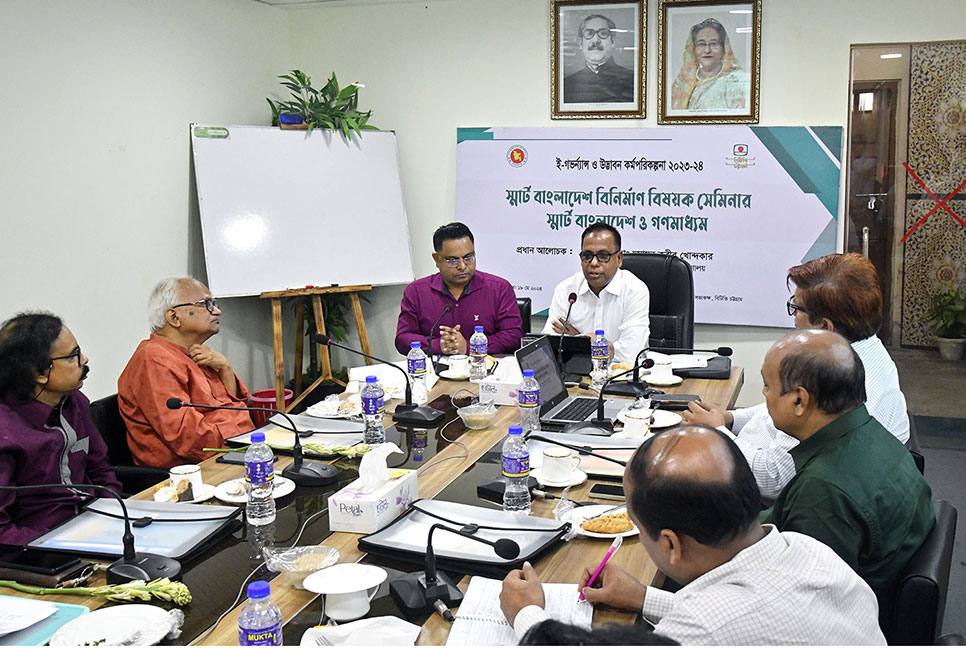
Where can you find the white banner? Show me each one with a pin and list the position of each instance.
(740, 204)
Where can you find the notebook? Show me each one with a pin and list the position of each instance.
(480, 621)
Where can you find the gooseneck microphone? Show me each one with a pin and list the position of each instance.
(571, 299)
(131, 565)
(446, 309)
(407, 413)
(721, 350)
(301, 472)
(584, 450)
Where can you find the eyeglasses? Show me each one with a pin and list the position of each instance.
(793, 307)
(454, 262)
(603, 33)
(709, 44)
(208, 303)
(603, 256)
(76, 353)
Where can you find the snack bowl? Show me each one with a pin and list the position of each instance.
(299, 562)
(478, 415)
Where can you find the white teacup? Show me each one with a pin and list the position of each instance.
(459, 364)
(190, 472)
(637, 423)
(350, 606)
(661, 371)
(559, 464)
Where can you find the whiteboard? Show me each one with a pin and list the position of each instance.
(284, 209)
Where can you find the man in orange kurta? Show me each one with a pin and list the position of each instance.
(173, 362)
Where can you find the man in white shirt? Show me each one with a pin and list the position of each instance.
(693, 497)
(608, 297)
(837, 292)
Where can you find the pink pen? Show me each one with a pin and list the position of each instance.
(614, 546)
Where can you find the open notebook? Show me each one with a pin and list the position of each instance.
(480, 622)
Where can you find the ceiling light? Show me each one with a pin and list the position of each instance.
(890, 56)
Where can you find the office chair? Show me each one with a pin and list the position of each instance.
(108, 421)
(671, 284)
(523, 303)
(912, 444)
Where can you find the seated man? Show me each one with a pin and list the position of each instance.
(856, 488)
(173, 363)
(46, 432)
(838, 292)
(608, 297)
(474, 299)
(693, 497)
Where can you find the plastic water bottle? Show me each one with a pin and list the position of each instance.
(420, 442)
(416, 365)
(477, 355)
(260, 623)
(373, 407)
(528, 396)
(600, 357)
(259, 481)
(516, 471)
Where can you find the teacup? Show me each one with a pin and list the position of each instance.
(637, 423)
(190, 472)
(459, 364)
(559, 464)
(661, 372)
(349, 606)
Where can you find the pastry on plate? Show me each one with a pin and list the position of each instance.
(617, 523)
(621, 366)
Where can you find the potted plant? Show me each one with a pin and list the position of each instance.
(947, 320)
(331, 107)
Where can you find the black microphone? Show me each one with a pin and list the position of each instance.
(446, 309)
(407, 413)
(600, 423)
(418, 593)
(721, 351)
(571, 299)
(633, 387)
(131, 565)
(302, 473)
(584, 450)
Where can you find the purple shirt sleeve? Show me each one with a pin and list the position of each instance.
(407, 328)
(509, 333)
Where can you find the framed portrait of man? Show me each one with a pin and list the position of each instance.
(710, 55)
(597, 58)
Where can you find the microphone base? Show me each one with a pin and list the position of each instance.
(632, 389)
(417, 416)
(312, 473)
(145, 566)
(410, 593)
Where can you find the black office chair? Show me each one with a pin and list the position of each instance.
(523, 303)
(912, 444)
(671, 283)
(107, 419)
(920, 598)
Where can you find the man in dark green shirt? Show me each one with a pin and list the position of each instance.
(856, 486)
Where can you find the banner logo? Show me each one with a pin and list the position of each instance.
(517, 156)
(741, 149)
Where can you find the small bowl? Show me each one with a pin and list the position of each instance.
(299, 562)
(478, 415)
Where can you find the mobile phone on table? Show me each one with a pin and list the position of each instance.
(607, 491)
(38, 561)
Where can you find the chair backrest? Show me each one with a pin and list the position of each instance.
(671, 284)
(920, 598)
(523, 303)
(109, 422)
(912, 444)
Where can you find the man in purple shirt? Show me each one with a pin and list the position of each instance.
(46, 432)
(473, 299)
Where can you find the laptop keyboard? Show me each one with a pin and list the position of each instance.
(577, 410)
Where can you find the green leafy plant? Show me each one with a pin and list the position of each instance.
(331, 107)
(947, 315)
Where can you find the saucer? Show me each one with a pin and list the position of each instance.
(206, 492)
(666, 382)
(449, 374)
(659, 418)
(578, 477)
(345, 578)
(224, 492)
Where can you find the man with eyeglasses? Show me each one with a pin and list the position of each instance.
(46, 432)
(608, 297)
(473, 298)
(600, 79)
(174, 363)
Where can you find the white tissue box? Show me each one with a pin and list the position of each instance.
(501, 392)
(356, 510)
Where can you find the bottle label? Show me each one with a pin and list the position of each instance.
(477, 349)
(372, 406)
(270, 636)
(599, 351)
(417, 366)
(259, 472)
(529, 397)
(516, 466)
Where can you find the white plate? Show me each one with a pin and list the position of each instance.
(578, 477)
(581, 513)
(662, 418)
(344, 578)
(666, 382)
(450, 375)
(126, 624)
(206, 493)
(321, 410)
(283, 487)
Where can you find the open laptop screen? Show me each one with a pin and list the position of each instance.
(539, 356)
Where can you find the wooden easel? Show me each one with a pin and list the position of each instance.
(315, 294)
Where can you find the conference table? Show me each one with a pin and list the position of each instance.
(217, 573)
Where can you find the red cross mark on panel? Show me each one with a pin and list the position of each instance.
(939, 203)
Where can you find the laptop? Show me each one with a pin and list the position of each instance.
(558, 408)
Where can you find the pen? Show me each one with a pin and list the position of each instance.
(613, 549)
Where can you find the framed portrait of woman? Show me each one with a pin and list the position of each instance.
(710, 55)
(597, 58)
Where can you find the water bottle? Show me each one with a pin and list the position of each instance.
(600, 356)
(420, 442)
(373, 407)
(477, 355)
(516, 471)
(416, 365)
(259, 481)
(260, 623)
(528, 396)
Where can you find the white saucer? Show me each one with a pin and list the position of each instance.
(283, 487)
(662, 418)
(449, 375)
(205, 493)
(582, 513)
(345, 578)
(669, 382)
(578, 477)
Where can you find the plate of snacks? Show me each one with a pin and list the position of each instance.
(602, 521)
(333, 407)
(620, 367)
(182, 492)
(233, 491)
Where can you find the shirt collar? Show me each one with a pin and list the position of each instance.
(165, 341)
(37, 413)
(436, 283)
(614, 287)
(828, 436)
(763, 552)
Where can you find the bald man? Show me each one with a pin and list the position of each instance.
(693, 496)
(856, 487)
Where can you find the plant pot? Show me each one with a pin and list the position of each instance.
(951, 348)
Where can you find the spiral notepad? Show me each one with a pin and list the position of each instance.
(480, 621)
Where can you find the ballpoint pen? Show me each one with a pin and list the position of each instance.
(610, 552)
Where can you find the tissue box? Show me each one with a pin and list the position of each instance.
(500, 391)
(355, 510)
